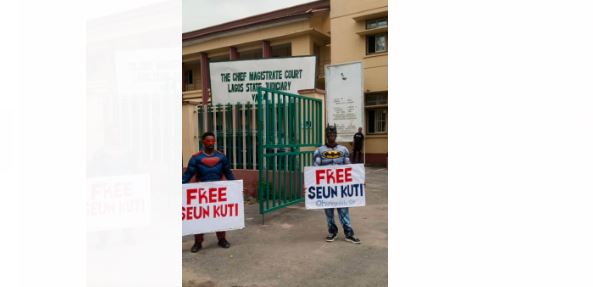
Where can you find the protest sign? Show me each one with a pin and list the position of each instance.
(118, 202)
(334, 186)
(212, 206)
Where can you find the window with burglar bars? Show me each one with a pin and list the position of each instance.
(376, 42)
(376, 110)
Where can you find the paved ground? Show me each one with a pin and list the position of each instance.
(289, 250)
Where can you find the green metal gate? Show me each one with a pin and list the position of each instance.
(289, 129)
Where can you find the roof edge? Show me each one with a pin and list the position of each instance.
(277, 15)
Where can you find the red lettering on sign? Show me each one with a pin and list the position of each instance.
(202, 196)
(212, 194)
(222, 194)
(189, 213)
(339, 175)
(216, 211)
(330, 176)
(191, 194)
(348, 177)
(226, 210)
(319, 174)
(195, 212)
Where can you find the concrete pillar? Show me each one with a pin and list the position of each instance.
(266, 49)
(302, 46)
(233, 53)
(205, 75)
(183, 78)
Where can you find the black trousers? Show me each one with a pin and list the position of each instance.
(357, 156)
(198, 238)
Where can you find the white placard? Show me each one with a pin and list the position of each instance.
(212, 206)
(334, 186)
(118, 202)
(237, 81)
(344, 98)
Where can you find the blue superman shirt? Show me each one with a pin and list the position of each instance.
(208, 167)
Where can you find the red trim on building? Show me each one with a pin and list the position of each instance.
(233, 53)
(378, 159)
(266, 49)
(310, 91)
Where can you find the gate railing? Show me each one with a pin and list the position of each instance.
(276, 136)
(235, 128)
(287, 124)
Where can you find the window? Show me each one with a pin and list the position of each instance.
(376, 99)
(281, 51)
(222, 58)
(376, 112)
(188, 80)
(190, 77)
(377, 121)
(251, 54)
(377, 43)
(376, 40)
(376, 23)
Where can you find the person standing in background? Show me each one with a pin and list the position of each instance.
(357, 147)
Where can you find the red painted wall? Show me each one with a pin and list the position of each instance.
(376, 159)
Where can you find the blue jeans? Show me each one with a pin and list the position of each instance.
(344, 219)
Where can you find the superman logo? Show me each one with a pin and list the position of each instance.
(211, 161)
(332, 154)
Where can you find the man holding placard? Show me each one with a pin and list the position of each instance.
(209, 165)
(334, 187)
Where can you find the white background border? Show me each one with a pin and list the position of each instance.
(490, 140)
(490, 143)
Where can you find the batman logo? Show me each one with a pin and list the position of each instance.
(332, 154)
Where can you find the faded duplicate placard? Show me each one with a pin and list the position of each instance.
(334, 186)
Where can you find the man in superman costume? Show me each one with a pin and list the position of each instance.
(208, 165)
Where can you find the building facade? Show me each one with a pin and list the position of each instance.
(333, 31)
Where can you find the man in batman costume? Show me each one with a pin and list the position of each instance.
(331, 154)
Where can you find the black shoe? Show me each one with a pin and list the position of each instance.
(196, 247)
(331, 237)
(353, 239)
(223, 243)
